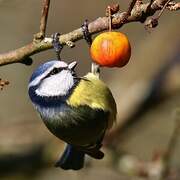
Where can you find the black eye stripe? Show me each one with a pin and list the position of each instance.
(55, 71)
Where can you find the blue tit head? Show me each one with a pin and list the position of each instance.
(52, 79)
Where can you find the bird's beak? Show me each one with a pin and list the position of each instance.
(72, 65)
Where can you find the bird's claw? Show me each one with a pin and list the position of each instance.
(56, 44)
(86, 33)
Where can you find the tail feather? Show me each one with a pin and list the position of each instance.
(71, 159)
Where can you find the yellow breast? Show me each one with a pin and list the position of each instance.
(94, 93)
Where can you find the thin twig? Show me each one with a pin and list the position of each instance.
(162, 10)
(153, 22)
(43, 21)
(131, 6)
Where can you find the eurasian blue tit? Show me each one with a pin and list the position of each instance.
(78, 110)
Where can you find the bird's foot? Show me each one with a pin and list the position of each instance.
(86, 33)
(56, 44)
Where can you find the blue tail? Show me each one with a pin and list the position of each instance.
(71, 159)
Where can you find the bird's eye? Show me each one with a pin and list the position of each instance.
(55, 71)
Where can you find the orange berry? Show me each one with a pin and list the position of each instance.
(111, 49)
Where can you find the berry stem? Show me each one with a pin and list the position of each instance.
(95, 69)
(109, 18)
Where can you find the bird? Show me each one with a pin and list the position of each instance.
(77, 110)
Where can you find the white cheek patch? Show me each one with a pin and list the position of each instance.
(56, 85)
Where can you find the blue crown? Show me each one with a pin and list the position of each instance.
(41, 69)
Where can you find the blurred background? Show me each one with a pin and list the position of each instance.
(146, 91)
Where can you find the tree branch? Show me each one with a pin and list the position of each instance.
(173, 6)
(140, 12)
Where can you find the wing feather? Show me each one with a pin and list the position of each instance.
(95, 94)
